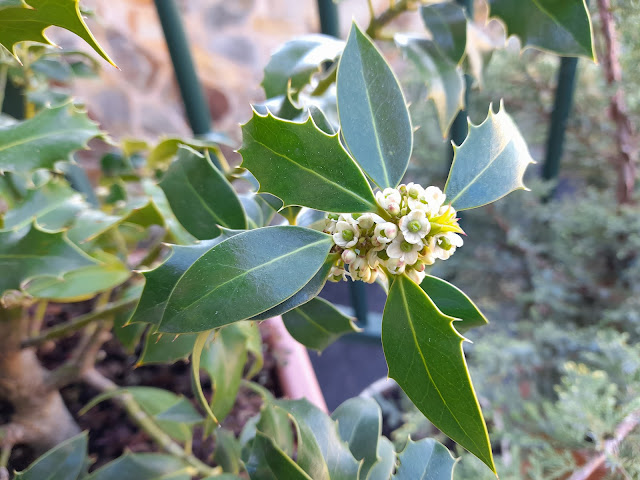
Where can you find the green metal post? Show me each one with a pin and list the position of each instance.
(195, 103)
(329, 23)
(561, 110)
(13, 101)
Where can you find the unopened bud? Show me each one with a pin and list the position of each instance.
(393, 208)
(349, 256)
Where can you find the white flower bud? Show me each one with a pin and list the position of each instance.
(349, 256)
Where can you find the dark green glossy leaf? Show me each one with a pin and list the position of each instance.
(424, 354)
(274, 422)
(30, 252)
(489, 164)
(318, 440)
(562, 27)
(386, 463)
(129, 335)
(373, 112)
(269, 462)
(259, 209)
(82, 283)
(227, 452)
(200, 196)
(304, 166)
(444, 78)
(143, 466)
(360, 425)
(177, 233)
(305, 294)
(453, 302)
(166, 348)
(448, 26)
(425, 459)
(317, 324)
(28, 24)
(62, 462)
(296, 61)
(195, 294)
(321, 120)
(52, 135)
(12, 3)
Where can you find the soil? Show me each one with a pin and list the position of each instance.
(111, 432)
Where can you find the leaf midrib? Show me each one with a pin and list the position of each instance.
(424, 362)
(233, 279)
(313, 172)
(34, 138)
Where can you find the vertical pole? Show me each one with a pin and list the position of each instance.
(459, 127)
(195, 103)
(329, 23)
(561, 110)
(13, 101)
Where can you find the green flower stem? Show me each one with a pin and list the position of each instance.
(146, 423)
(79, 322)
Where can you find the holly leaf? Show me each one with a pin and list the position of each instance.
(560, 27)
(13, 3)
(19, 24)
(82, 283)
(453, 302)
(195, 294)
(143, 466)
(317, 324)
(386, 463)
(64, 461)
(269, 462)
(443, 77)
(30, 252)
(304, 166)
(448, 26)
(296, 61)
(424, 354)
(373, 113)
(159, 348)
(200, 196)
(52, 135)
(489, 164)
(360, 425)
(425, 459)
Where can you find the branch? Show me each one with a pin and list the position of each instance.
(625, 163)
(610, 446)
(146, 423)
(388, 15)
(78, 323)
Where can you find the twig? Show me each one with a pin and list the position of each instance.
(146, 423)
(610, 446)
(38, 317)
(388, 15)
(79, 322)
(625, 162)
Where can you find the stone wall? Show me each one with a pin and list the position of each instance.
(231, 41)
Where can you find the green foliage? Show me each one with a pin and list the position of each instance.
(424, 354)
(143, 466)
(489, 164)
(19, 24)
(377, 133)
(304, 166)
(51, 136)
(425, 459)
(64, 461)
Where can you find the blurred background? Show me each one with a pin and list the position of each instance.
(555, 270)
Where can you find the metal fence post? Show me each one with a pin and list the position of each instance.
(561, 109)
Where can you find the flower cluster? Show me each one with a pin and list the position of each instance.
(414, 228)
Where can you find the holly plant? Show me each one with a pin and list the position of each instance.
(323, 199)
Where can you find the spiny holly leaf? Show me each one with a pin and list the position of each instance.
(159, 348)
(360, 425)
(296, 61)
(386, 463)
(321, 451)
(302, 165)
(143, 466)
(317, 324)
(443, 77)
(373, 113)
(269, 462)
(192, 291)
(82, 283)
(200, 196)
(453, 302)
(52, 135)
(562, 27)
(20, 24)
(425, 459)
(489, 164)
(448, 26)
(64, 461)
(30, 252)
(424, 354)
